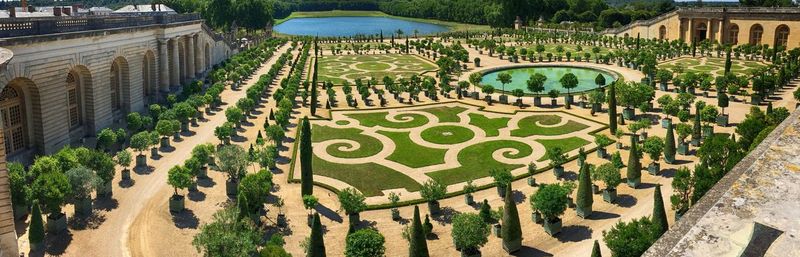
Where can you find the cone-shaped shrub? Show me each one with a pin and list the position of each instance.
(417, 247)
(669, 145)
(612, 108)
(659, 214)
(306, 173)
(36, 234)
(634, 172)
(511, 231)
(316, 245)
(584, 201)
(596, 250)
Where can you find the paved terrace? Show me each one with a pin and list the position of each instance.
(753, 211)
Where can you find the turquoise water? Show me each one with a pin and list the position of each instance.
(350, 26)
(520, 76)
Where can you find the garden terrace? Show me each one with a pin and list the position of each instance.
(340, 68)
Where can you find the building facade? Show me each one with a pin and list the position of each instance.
(62, 79)
(734, 26)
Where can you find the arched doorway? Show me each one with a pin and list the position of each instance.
(756, 32)
(12, 110)
(119, 86)
(148, 76)
(782, 35)
(733, 34)
(701, 32)
(662, 32)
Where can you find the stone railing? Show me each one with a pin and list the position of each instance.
(217, 36)
(17, 27)
(640, 23)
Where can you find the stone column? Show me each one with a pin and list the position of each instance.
(175, 79)
(691, 31)
(163, 65)
(190, 71)
(198, 53)
(709, 30)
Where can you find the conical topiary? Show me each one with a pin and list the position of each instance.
(36, 233)
(511, 232)
(596, 250)
(584, 201)
(612, 108)
(306, 172)
(417, 246)
(634, 172)
(316, 245)
(696, 134)
(669, 145)
(659, 214)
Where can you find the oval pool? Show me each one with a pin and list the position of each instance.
(520, 76)
(350, 26)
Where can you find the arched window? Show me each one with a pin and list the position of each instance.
(12, 110)
(116, 81)
(73, 100)
(662, 32)
(756, 32)
(733, 34)
(782, 35)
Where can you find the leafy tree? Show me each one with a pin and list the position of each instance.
(653, 146)
(551, 200)
(276, 134)
(51, 186)
(569, 81)
(105, 139)
(609, 175)
(18, 184)
(630, 239)
(682, 185)
(365, 243)
(83, 182)
(432, 190)
(417, 246)
(232, 159)
(511, 231)
(179, 178)
(306, 172)
(659, 214)
(253, 191)
(469, 232)
(352, 201)
(124, 158)
(600, 80)
(504, 79)
(227, 235)
(557, 156)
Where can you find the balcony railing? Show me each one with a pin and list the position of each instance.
(18, 27)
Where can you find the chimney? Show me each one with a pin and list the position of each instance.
(67, 11)
(24, 4)
(12, 12)
(152, 7)
(56, 11)
(75, 8)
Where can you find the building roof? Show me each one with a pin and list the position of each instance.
(752, 211)
(145, 8)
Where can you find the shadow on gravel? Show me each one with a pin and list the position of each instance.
(185, 219)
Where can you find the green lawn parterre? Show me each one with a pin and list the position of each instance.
(714, 66)
(340, 68)
(442, 130)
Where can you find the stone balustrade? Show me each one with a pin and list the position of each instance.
(18, 27)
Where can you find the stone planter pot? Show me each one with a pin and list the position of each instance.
(558, 171)
(610, 195)
(692, 90)
(595, 189)
(488, 99)
(663, 86)
(309, 219)
(469, 199)
(552, 227)
(619, 145)
(512, 246)
(570, 202)
(83, 207)
(231, 187)
(678, 216)
(601, 152)
(503, 99)
(475, 95)
(532, 181)
(537, 101)
(126, 175)
(153, 153)
(433, 207)
(518, 102)
(707, 132)
(56, 223)
(165, 142)
(633, 182)
(553, 102)
(665, 122)
(536, 217)
(496, 230)
(105, 190)
(569, 99)
(176, 137)
(597, 108)
(683, 148)
(193, 187)
(202, 173)
(643, 136)
(582, 105)
(695, 141)
(583, 212)
(176, 203)
(184, 127)
(628, 113)
(755, 100)
(654, 168)
(722, 120)
(471, 253)
(141, 161)
(354, 218)
(282, 220)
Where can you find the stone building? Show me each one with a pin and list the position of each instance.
(756, 25)
(64, 78)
